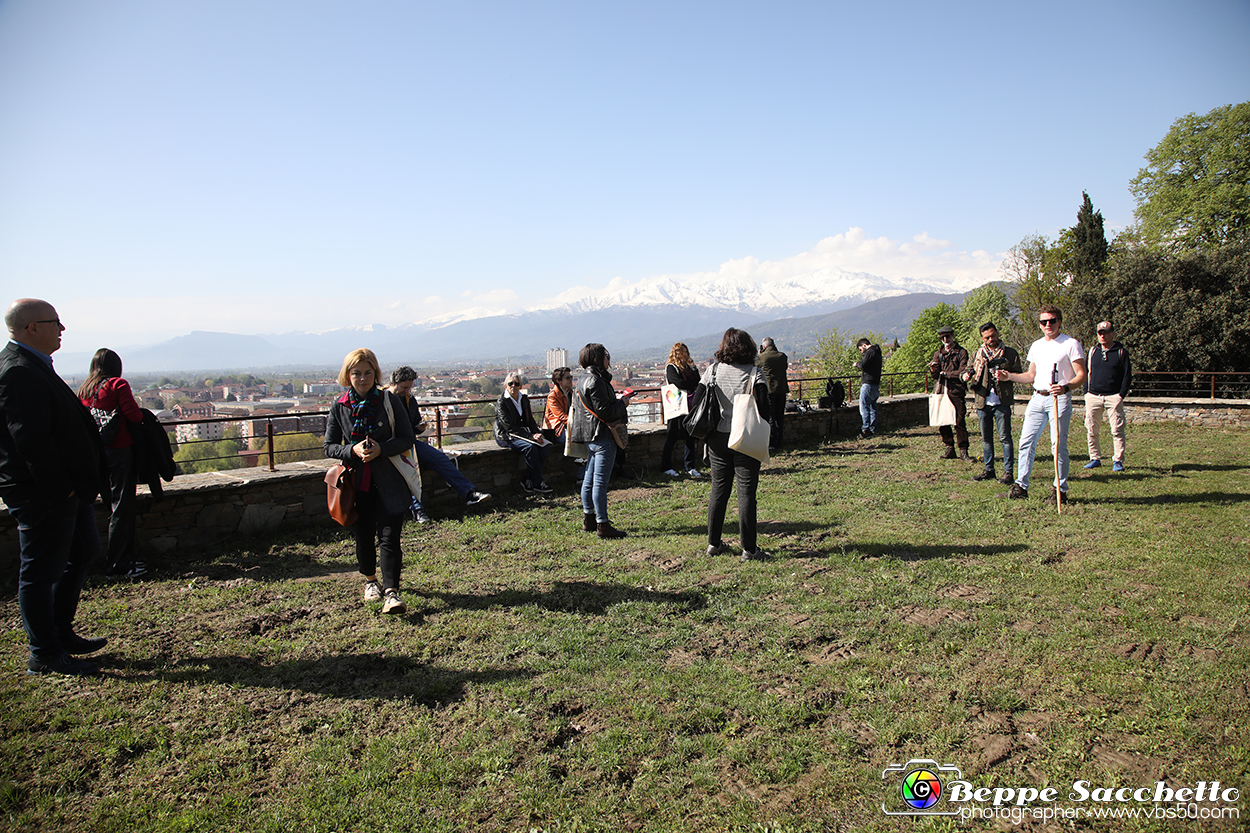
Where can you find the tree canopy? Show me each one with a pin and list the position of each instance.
(922, 339)
(836, 353)
(1195, 188)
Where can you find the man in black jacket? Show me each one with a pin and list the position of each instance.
(1110, 377)
(948, 365)
(774, 363)
(869, 386)
(52, 467)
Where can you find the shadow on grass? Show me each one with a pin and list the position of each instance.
(918, 552)
(569, 597)
(1150, 500)
(347, 676)
(1176, 467)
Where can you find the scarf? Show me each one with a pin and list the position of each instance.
(364, 410)
(986, 354)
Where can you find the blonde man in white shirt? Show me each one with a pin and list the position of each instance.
(1056, 366)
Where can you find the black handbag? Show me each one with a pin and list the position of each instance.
(704, 413)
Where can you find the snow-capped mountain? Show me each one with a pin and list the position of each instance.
(627, 318)
(829, 288)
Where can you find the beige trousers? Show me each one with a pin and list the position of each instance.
(1113, 405)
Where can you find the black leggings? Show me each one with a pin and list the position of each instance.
(377, 532)
(730, 468)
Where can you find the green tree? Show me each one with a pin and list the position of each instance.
(1195, 188)
(922, 342)
(1175, 310)
(836, 353)
(295, 447)
(1089, 242)
(1035, 270)
(987, 303)
(195, 457)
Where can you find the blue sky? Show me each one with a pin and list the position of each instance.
(264, 166)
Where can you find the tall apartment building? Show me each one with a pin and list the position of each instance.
(557, 357)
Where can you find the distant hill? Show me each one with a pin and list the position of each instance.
(640, 325)
(892, 317)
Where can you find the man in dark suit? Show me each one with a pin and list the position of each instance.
(52, 466)
(774, 363)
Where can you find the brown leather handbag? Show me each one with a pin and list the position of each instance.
(341, 494)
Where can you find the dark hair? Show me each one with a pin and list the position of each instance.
(862, 342)
(403, 373)
(592, 355)
(558, 374)
(105, 364)
(736, 347)
(988, 325)
(1052, 309)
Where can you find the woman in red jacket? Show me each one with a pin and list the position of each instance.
(112, 404)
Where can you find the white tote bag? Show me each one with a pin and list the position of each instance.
(405, 462)
(748, 432)
(675, 401)
(941, 410)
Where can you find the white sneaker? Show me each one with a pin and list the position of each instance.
(693, 473)
(373, 591)
(673, 473)
(393, 603)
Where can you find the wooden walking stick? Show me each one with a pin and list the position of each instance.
(1054, 380)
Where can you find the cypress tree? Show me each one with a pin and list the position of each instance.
(1090, 251)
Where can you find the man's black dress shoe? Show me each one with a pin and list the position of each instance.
(75, 644)
(64, 664)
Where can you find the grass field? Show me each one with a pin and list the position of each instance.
(546, 680)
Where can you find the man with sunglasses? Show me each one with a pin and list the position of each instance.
(52, 466)
(1110, 377)
(1056, 366)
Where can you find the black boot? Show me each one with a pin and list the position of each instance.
(588, 521)
(608, 531)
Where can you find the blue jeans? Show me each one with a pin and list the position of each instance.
(1036, 417)
(868, 407)
(58, 541)
(533, 455)
(595, 480)
(996, 415)
(434, 458)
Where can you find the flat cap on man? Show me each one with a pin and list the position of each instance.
(946, 331)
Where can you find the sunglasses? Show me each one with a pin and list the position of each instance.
(1046, 322)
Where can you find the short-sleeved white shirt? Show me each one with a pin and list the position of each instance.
(1061, 351)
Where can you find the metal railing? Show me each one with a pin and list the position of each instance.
(809, 389)
(1207, 384)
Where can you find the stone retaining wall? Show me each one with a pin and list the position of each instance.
(206, 508)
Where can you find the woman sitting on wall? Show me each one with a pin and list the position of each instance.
(366, 426)
(402, 378)
(515, 429)
(556, 413)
